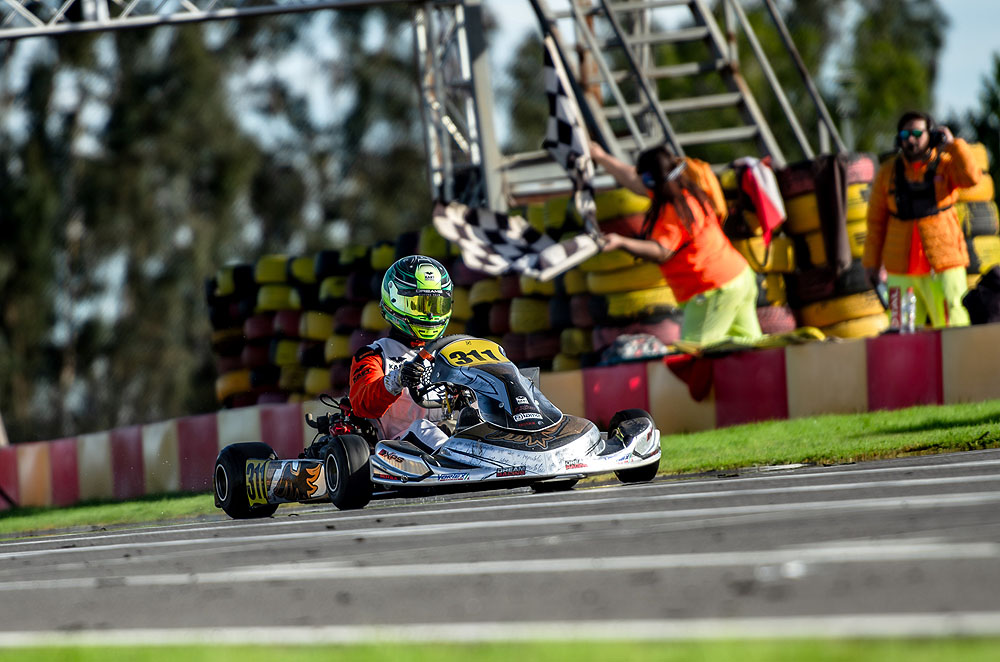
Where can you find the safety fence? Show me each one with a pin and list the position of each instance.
(682, 393)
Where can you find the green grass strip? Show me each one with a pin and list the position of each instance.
(836, 439)
(831, 439)
(891, 650)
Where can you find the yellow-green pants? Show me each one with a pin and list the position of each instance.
(729, 311)
(939, 296)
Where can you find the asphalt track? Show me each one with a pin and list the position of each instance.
(906, 547)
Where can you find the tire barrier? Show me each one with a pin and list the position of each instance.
(383, 254)
(641, 276)
(371, 317)
(774, 290)
(272, 298)
(499, 316)
(564, 363)
(302, 270)
(775, 319)
(463, 276)
(861, 327)
(337, 347)
(840, 309)
(347, 318)
(317, 381)
(574, 342)
(311, 354)
(284, 352)
(484, 292)
(619, 203)
(232, 383)
(984, 253)
(271, 269)
(777, 257)
(627, 307)
(541, 345)
(572, 282)
(978, 218)
(461, 307)
(315, 325)
(627, 226)
(256, 355)
(610, 261)
(326, 264)
(432, 244)
(259, 327)
(560, 313)
(984, 191)
(286, 323)
(514, 346)
(510, 286)
(529, 315)
(235, 280)
(531, 287)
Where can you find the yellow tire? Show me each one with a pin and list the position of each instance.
(627, 305)
(574, 342)
(556, 210)
(232, 383)
(277, 297)
(856, 233)
(987, 252)
(619, 202)
(642, 276)
(803, 214)
(840, 309)
(815, 248)
(574, 281)
(774, 289)
(529, 315)
(285, 352)
(317, 381)
(431, 243)
(980, 155)
(778, 257)
(333, 288)
(973, 280)
(563, 363)
(862, 327)
(486, 290)
(338, 346)
(610, 261)
(455, 327)
(535, 215)
(292, 378)
(461, 309)
(302, 269)
(532, 287)
(982, 192)
(271, 269)
(383, 255)
(371, 317)
(314, 325)
(857, 202)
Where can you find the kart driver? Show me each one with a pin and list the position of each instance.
(416, 302)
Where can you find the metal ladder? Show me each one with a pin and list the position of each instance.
(627, 90)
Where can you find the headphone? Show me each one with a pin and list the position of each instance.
(932, 128)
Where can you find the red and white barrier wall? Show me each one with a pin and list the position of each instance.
(887, 372)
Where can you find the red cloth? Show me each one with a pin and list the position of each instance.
(759, 183)
(695, 371)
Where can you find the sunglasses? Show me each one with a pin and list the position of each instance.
(916, 133)
(647, 180)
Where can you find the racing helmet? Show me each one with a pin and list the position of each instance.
(416, 297)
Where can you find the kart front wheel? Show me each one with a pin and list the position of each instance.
(346, 460)
(230, 480)
(642, 474)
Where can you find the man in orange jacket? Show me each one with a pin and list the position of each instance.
(913, 228)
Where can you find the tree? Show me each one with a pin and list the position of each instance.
(985, 121)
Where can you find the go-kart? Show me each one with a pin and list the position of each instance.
(502, 433)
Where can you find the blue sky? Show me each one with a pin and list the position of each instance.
(971, 39)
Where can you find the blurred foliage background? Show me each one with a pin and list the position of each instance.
(133, 164)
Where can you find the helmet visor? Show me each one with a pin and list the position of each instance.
(424, 304)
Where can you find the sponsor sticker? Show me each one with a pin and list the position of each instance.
(575, 464)
(389, 456)
(511, 471)
(256, 481)
(527, 416)
(453, 476)
(521, 400)
(381, 476)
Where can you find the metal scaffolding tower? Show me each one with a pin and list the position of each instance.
(620, 81)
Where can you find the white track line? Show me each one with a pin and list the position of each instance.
(936, 501)
(918, 625)
(843, 552)
(582, 499)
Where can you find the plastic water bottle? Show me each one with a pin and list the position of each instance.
(908, 312)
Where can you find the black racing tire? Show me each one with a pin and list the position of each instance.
(642, 474)
(230, 480)
(346, 462)
(549, 486)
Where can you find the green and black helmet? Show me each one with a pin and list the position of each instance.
(416, 297)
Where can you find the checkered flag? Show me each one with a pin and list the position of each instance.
(497, 243)
(566, 138)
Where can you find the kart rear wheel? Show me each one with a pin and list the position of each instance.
(547, 486)
(230, 480)
(346, 460)
(642, 474)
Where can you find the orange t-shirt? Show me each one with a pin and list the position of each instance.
(703, 259)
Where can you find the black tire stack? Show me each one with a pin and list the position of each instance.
(843, 305)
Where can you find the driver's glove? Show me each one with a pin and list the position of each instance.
(412, 373)
(409, 374)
